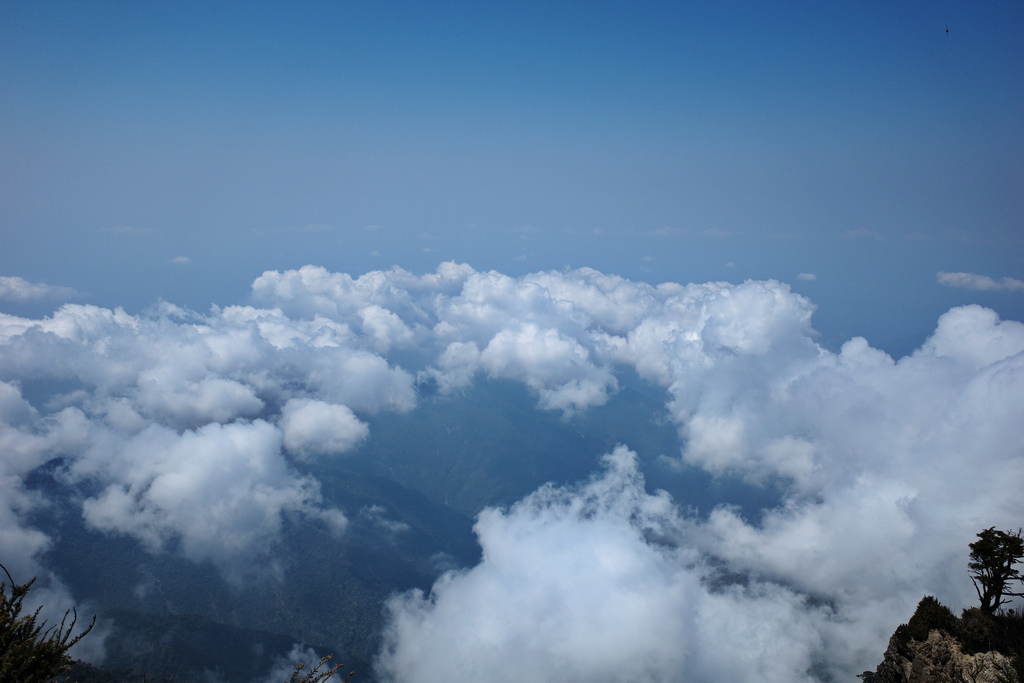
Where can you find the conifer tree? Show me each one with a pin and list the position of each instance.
(994, 557)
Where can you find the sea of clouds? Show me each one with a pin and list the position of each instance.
(186, 430)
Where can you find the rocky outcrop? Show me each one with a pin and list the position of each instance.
(935, 646)
(940, 659)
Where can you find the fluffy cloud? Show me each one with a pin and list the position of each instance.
(314, 427)
(555, 367)
(219, 491)
(591, 583)
(26, 442)
(889, 467)
(163, 412)
(193, 427)
(979, 283)
(894, 465)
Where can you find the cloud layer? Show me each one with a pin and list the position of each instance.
(193, 427)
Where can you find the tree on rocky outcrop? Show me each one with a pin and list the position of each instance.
(937, 647)
(984, 645)
(31, 652)
(994, 557)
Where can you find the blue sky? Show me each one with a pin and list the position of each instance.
(177, 150)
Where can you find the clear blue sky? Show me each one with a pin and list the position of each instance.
(176, 150)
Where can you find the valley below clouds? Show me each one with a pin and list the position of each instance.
(209, 436)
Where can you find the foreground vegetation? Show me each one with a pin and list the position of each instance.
(33, 652)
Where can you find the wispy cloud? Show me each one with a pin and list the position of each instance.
(523, 230)
(668, 231)
(20, 290)
(180, 260)
(128, 230)
(979, 283)
(862, 234)
(311, 227)
(807, 277)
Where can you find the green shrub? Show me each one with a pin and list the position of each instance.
(31, 652)
(930, 614)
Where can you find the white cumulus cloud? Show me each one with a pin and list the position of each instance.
(219, 491)
(592, 583)
(314, 427)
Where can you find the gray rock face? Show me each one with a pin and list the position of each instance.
(940, 659)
